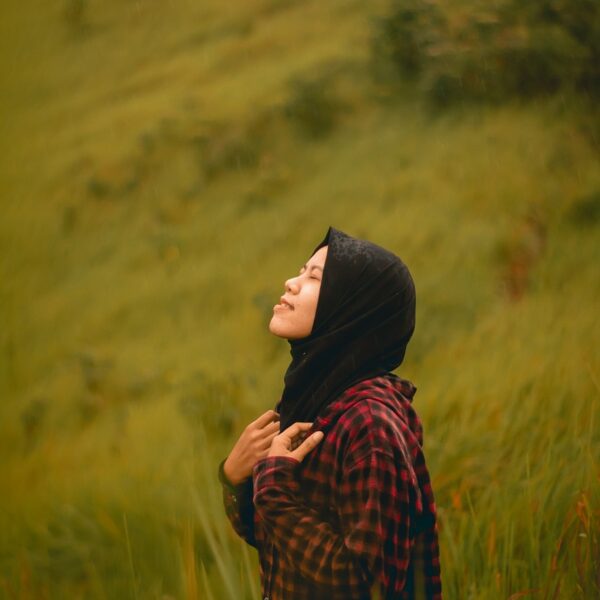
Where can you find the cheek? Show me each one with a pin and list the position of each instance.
(314, 300)
(306, 307)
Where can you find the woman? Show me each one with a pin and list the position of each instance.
(332, 486)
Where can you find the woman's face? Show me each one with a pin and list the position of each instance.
(294, 316)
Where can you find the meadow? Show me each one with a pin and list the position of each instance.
(165, 167)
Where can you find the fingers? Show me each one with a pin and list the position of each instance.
(265, 419)
(266, 442)
(298, 440)
(293, 430)
(271, 427)
(307, 445)
(266, 434)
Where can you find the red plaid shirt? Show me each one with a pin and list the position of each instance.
(355, 518)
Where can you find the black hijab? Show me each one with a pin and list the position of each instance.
(364, 319)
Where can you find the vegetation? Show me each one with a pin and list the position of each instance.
(490, 51)
(164, 170)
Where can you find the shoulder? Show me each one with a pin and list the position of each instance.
(372, 402)
(367, 413)
(369, 426)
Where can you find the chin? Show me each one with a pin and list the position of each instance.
(278, 331)
(282, 329)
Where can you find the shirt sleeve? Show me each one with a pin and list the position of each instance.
(239, 506)
(373, 519)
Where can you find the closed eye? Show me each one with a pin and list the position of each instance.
(311, 277)
(312, 270)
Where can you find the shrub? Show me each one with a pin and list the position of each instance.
(482, 51)
(312, 106)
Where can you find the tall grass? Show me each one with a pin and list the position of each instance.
(149, 221)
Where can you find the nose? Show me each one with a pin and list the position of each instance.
(291, 285)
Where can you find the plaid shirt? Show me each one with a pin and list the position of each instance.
(355, 520)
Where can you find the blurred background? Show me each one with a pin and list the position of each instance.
(165, 166)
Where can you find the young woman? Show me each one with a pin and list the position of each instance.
(332, 487)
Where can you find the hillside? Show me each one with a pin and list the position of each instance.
(164, 169)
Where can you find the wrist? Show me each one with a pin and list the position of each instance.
(230, 476)
(228, 485)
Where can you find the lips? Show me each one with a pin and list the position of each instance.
(284, 302)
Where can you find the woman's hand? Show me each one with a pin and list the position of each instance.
(252, 445)
(293, 442)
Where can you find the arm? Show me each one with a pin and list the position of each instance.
(235, 473)
(373, 508)
(239, 508)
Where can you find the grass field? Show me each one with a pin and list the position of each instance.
(165, 167)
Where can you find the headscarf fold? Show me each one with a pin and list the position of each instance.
(364, 319)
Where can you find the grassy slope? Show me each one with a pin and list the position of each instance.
(155, 199)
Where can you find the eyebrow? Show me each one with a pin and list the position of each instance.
(313, 267)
